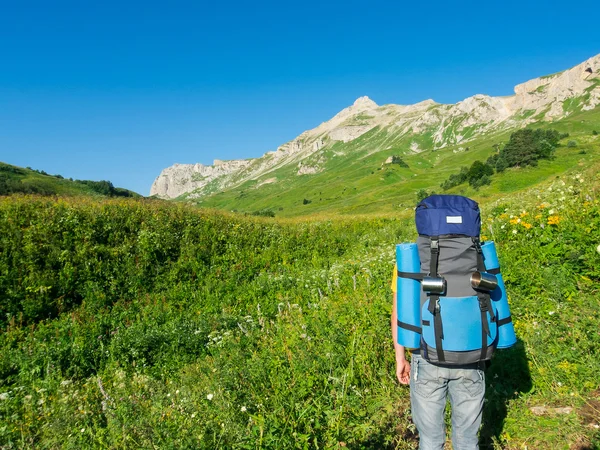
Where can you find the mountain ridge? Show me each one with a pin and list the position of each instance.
(439, 125)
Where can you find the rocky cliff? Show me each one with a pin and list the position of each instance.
(543, 98)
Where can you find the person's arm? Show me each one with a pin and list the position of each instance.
(402, 365)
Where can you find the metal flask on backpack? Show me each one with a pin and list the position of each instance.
(483, 281)
(434, 285)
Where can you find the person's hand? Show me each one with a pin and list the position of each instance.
(403, 370)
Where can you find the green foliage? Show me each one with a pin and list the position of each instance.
(106, 188)
(141, 324)
(422, 194)
(145, 322)
(398, 160)
(525, 147)
(16, 180)
(477, 175)
(571, 144)
(264, 213)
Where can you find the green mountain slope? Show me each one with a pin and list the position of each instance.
(355, 178)
(14, 179)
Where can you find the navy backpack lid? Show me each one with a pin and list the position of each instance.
(439, 215)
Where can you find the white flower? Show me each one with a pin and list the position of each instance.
(243, 409)
(598, 249)
(514, 231)
(209, 397)
(551, 313)
(4, 396)
(82, 430)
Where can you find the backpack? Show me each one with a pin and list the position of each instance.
(456, 315)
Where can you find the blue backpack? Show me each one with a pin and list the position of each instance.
(458, 310)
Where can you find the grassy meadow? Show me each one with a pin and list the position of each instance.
(133, 323)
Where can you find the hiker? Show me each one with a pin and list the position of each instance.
(451, 312)
(429, 386)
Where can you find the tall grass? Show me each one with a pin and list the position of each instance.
(139, 324)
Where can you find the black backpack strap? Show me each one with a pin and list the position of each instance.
(412, 275)
(434, 245)
(437, 327)
(409, 327)
(504, 321)
(485, 306)
(480, 262)
(485, 302)
(434, 299)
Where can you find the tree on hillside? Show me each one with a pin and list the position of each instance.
(477, 172)
(524, 148)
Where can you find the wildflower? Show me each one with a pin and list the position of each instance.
(526, 225)
(82, 430)
(551, 313)
(514, 231)
(209, 396)
(598, 249)
(553, 220)
(243, 409)
(4, 396)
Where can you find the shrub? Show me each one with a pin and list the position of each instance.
(264, 213)
(422, 194)
(571, 144)
(398, 160)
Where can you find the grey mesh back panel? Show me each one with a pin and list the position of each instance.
(456, 263)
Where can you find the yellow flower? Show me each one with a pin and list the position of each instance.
(526, 225)
(553, 220)
(524, 213)
(515, 221)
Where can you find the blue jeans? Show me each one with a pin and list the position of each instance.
(429, 386)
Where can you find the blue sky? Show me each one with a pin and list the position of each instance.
(120, 90)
